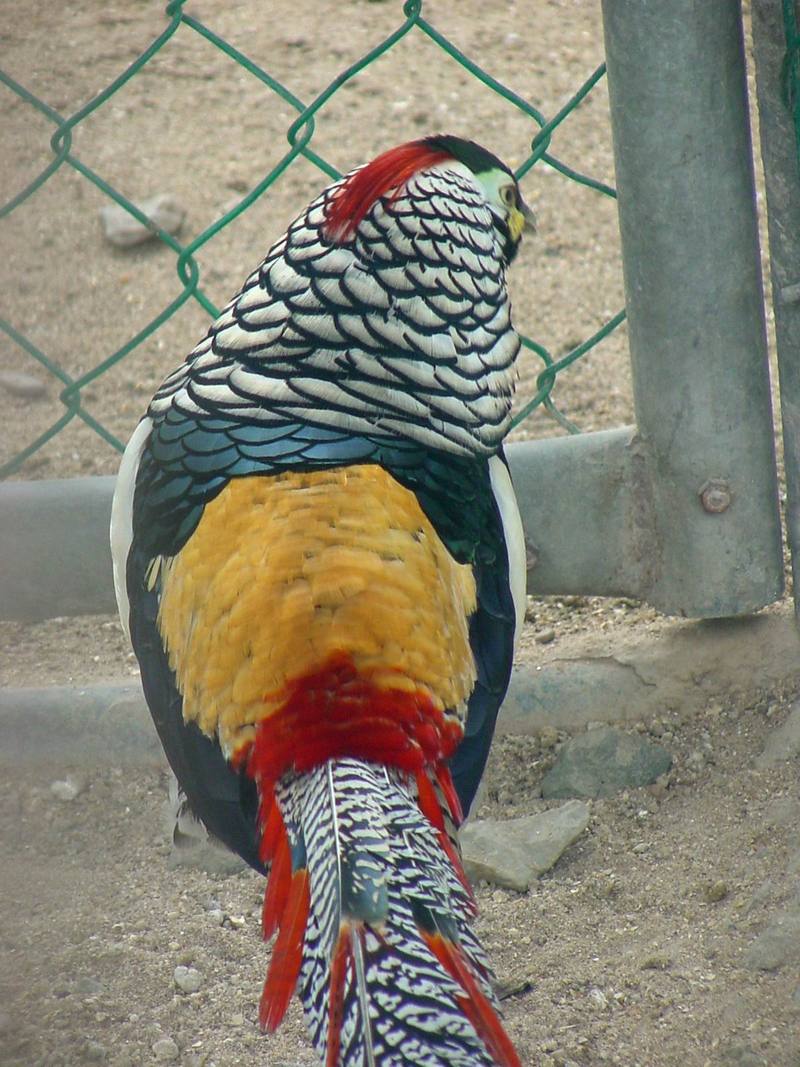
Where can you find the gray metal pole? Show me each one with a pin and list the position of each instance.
(779, 152)
(695, 307)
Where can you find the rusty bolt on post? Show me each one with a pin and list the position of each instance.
(715, 496)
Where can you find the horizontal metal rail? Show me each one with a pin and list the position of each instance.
(587, 506)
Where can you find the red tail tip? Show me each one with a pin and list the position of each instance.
(475, 1004)
(287, 955)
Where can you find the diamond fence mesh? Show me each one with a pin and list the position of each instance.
(790, 74)
(300, 138)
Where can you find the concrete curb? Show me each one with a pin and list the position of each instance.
(95, 725)
(683, 667)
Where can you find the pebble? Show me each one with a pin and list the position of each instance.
(165, 1050)
(124, 231)
(714, 892)
(548, 738)
(656, 962)
(544, 637)
(696, 761)
(25, 386)
(187, 979)
(233, 922)
(67, 789)
(602, 762)
(88, 987)
(598, 999)
(514, 852)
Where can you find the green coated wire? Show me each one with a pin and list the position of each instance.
(790, 70)
(544, 382)
(300, 135)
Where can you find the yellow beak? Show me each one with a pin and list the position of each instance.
(521, 218)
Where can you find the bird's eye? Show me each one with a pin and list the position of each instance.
(508, 195)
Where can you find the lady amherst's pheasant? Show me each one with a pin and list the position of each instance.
(320, 561)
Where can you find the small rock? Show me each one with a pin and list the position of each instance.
(124, 231)
(602, 762)
(187, 979)
(165, 1050)
(548, 738)
(659, 787)
(598, 998)
(512, 987)
(67, 789)
(544, 637)
(782, 744)
(88, 986)
(514, 852)
(777, 945)
(714, 892)
(656, 962)
(696, 761)
(233, 922)
(195, 1059)
(22, 385)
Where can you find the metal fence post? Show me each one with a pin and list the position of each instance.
(779, 151)
(694, 298)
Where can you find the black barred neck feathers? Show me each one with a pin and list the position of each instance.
(400, 330)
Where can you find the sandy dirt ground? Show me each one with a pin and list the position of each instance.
(633, 950)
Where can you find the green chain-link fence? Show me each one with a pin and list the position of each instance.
(300, 136)
(790, 75)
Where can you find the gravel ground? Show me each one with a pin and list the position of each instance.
(641, 946)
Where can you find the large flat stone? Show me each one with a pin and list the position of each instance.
(604, 761)
(513, 853)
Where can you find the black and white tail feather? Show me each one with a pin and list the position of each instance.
(379, 877)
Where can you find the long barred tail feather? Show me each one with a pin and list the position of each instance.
(391, 972)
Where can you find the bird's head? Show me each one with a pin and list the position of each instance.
(512, 216)
(386, 175)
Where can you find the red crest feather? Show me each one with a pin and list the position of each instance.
(390, 170)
